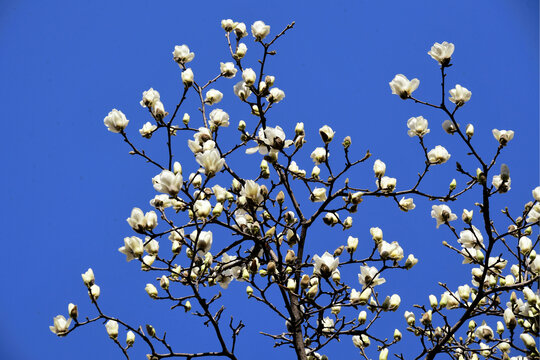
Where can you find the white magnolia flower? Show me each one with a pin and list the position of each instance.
(442, 52)
(213, 96)
(203, 240)
(188, 77)
(500, 184)
(379, 168)
(471, 239)
(116, 121)
(95, 291)
(211, 161)
(112, 328)
(252, 191)
(240, 30)
(182, 55)
(319, 155)
(318, 195)
(327, 134)
(460, 95)
(241, 50)
(276, 95)
(151, 290)
(418, 126)
(484, 332)
(141, 222)
(525, 245)
(503, 136)
(61, 325)
(242, 90)
(133, 248)
(147, 130)
(295, 170)
(228, 25)
(130, 338)
(325, 265)
(534, 214)
(536, 193)
(369, 276)
(438, 155)
(406, 204)
(390, 250)
(219, 117)
(220, 193)
(388, 184)
(152, 247)
(270, 140)
(402, 87)
(168, 182)
(88, 277)
(227, 69)
(202, 141)
(249, 76)
(327, 325)
(158, 110)
(202, 208)
(260, 30)
(352, 244)
(149, 98)
(442, 214)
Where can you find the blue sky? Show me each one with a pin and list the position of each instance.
(69, 184)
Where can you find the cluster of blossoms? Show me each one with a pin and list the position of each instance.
(268, 215)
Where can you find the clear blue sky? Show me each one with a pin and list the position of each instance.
(68, 184)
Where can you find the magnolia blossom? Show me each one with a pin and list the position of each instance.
(219, 117)
(379, 168)
(141, 222)
(352, 244)
(484, 332)
(471, 239)
(241, 50)
(213, 96)
(442, 214)
(270, 141)
(500, 184)
(88, 277)
(460, 95)
(406, 204)
(61, 325)
(112, 328)
(249, 76)
(536, 193)
(438, 155)
(503, 136)
(387, 184)
(133, 248)
(252, 191)
(390, 251)
(241, 89)
(260, 30)
(401, 86)
(95, 291)
(116, 121)
(220, 193)
(202, 208)
(327, 134)
(211, 161)
(147, 130)
(188, 77)
(418, 126)
(203, 240)
(327, 325)
(325, 265)
(369, 276)
(152, 247)
(534, 214)
(151, 291)
(182, 55)
(442, 52)
(228, 25)
(318, 195)
(295, 170)
(525, 245)
(319, 155)
(276, 95)
(230, 272)
(227, 69)
(149, 98)
(202, 141)
(168, 182)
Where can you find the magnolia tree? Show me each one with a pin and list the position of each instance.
(494, 314)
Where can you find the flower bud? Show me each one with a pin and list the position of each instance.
(313, 291)
(299, 129)
(151, 291)
(150, 330)
(112, 329)
(383, 355)
(500, 327)
(453, 185)
(315, 172)
(187, 306)
(95, 291)
(347, 223)
(130, 338)
(164, 282)
(528, 341)
(410, 318)
(346, 142)
(433, 301)
(249, 291)
(397, 335)
(187, 77)
(336, 309)
(379, 168)
(466, 216)
(426, 318)
(291, 285)
(362, 317)
(352, 244)
(469, 130)
(88, 277)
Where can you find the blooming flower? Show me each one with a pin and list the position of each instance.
(442, 52)
(211, 161)
(536, 193)
(484, 332)
(61, 325)
(202, 208)
(188, 77)
(379, 168)
(270, 140)
(213, 96)
(503, 136)
(147, 130)
(249, 76)
(327, 325)
(228, 25)
(112, 329)
(402, 87)
(318, 195)
(141, 222)
(501, 185)
(149, 98)
(182, 55)
(460, 95)
(471, 239)
(406, 204)
(438, 155)
(241, 89)
(219, 117)
(325, 265)
(276, 95)
(133, 248)
(260, 30)
(116, 121)
(151, 291)
(319, 155)
(168, 182)
(418, 126)
(88, 277)
(442, 214)
(369, 276)
(227, 69)
(327, 134)
(388, 184)
(241, 50)
(203, 240)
